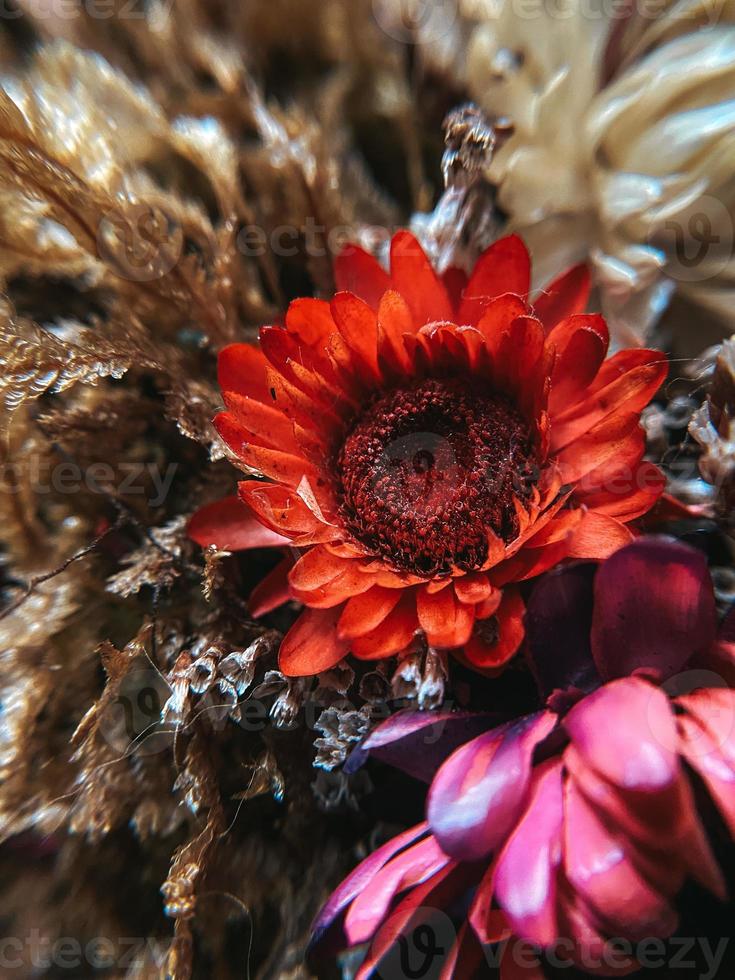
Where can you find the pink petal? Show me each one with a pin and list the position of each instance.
(466, 958)
(410, 868)
(706, 756)
(488, 923)
(626, 732)
(590, 947)
(656, 866)
(516, 964)
(439, 892)
(356, 881)
(480, 790)
(558, 619)
(525, 877)
(654, 608)
(418, 742)
(597, 864)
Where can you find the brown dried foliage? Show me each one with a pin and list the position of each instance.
(134, 150)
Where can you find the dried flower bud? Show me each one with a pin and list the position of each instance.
(713, 428)
(177, 710)
(420, 677)
(341, 729)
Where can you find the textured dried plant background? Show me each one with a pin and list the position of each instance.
(124, 184)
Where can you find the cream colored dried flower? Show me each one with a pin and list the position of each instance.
(624, 140)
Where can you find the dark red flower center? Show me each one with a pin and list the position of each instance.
(428, 471)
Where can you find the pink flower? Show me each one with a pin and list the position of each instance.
(577, 824)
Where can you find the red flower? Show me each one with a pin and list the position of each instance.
(578, 824)
(427, 444)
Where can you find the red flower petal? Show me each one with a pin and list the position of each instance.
(473, 588)
(415, 279)
(517, 356)
(601, 443)
(629, 494)
(358, 326)
(619, 364)
(598, 536)
(630, 392)
(311, 320)
(312, 645)
(654, 607)
(478, 793)
(307, 408)
(614, 477)
(356, 271)
(285, 468)
(509, 622)
(394, 323)
(265, 424)
(576, 366)
(280, 508)
(322, 579)
(497, 316)
(505, 267)
(272, 591)
(393, 635)
(241, 368)
(529, 562)
(565, 296)
(231, 526)
(455, 282)
(364, 613)
(446, 621)
(565, 330)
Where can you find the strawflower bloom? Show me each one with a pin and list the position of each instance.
(576, 825)
(426, 444)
